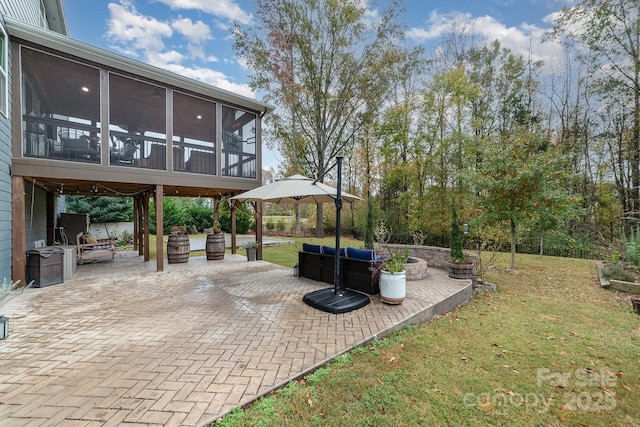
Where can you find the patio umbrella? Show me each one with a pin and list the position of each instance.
(300, 189)
(294, 189)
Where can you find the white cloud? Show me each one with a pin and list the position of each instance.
(162, 58)
(212, 77)
(135, 31)
(195, 32)
(146, 38)
(436, 25)
(227, 9)
(525, 39)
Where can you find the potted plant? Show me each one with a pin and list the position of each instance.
(215, 242)
(252, 250)
(6, 289)
(393, 281)
(458, 267)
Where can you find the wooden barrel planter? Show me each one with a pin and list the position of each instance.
(465, 270)
(215, 246)
(178, 248)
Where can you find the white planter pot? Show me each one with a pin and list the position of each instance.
(393, 287)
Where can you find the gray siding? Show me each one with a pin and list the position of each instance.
(5, 188)
(27, 11)
(30, 12)
(5, 199)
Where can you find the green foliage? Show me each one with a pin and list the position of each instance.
(244, 220)
(395, 262)
(280, 225)
(101, 209)
(616, 271)
(321, 56)
(523, 181)
(457, 236)
(270, 224)
(631, 245)
(200, 214)
(174, 215)
(368, 234)
(125, 239)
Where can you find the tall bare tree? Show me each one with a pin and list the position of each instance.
(327, 59)
(606, 33)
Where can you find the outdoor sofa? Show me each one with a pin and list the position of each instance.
(317, 262)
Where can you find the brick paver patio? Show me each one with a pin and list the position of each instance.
(121, 344)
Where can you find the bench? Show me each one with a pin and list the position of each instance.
(93, 251)
(317, 262)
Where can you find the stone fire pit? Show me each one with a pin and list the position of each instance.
(415, 269)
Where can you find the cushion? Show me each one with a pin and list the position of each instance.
(90, 239)
(306, 247)
(363, 254)
(328, 250)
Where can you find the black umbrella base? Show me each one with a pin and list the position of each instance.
(327, 300)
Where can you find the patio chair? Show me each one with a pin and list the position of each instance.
(123, 151)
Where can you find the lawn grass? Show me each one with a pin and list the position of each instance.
(286, 255)
(550, 347)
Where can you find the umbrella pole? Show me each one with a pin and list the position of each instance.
(337, 299)
(337, 285)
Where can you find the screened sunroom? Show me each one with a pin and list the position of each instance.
(62, 104)
(89, 122)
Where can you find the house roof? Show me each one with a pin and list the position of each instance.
(62, 43)
(55, 16)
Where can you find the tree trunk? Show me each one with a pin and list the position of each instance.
(319, 221)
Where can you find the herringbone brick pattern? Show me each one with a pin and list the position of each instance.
(121, 344)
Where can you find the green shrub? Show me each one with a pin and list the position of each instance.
(618, 272)
(199, 214)
(270, 225)
(280, 225)
(632, 246)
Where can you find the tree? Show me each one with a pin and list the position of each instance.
(102, 209)
(199, 214)
(523, 182)
(606, 34)
(326, 59)
(174, 214)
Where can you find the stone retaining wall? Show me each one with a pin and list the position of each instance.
(435, 256)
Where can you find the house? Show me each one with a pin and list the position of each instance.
(75, 119)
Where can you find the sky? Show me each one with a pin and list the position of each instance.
(192, 37)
